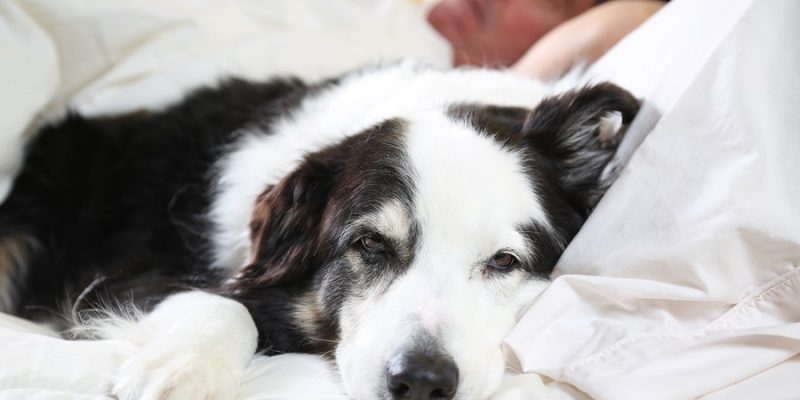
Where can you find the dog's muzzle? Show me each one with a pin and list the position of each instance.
(421, 375)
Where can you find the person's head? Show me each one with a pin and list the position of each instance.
(499, 32)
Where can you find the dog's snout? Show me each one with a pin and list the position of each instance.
(418, 375)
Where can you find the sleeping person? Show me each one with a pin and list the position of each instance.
(541, 38)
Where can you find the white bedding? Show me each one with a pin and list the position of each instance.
(685, 281)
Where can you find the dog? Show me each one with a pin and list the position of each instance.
(397, 219)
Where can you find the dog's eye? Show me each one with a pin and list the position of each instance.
(373, 243)
(503, 261)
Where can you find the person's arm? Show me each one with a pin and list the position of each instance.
(585, 38)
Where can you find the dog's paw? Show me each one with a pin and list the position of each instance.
(193, 346)
(168, 375)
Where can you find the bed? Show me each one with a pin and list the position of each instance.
(684, 283)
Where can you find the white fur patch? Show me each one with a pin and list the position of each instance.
(470, 192)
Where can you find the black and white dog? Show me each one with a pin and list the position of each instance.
(397, 218)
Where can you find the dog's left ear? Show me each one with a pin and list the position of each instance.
(579, 131)
(286, 224)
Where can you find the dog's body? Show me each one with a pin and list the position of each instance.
(401, 217)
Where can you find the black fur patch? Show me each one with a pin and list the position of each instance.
(564, 155)
(120, 201)
(566, 129)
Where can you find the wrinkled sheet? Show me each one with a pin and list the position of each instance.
(684, 282)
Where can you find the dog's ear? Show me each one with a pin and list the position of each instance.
(285, 227)
(579, 131)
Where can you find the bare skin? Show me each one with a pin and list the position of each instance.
(585, 38)
(497, 33)
(539, 38)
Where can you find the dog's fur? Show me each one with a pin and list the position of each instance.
(367, 217)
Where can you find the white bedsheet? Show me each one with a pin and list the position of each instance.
(685, 281)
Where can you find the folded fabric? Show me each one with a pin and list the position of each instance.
(685, 279)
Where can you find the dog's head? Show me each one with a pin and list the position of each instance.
(413, 247)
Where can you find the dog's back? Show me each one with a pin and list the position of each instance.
(114, 206)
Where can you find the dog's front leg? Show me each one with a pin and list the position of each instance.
(194, 345)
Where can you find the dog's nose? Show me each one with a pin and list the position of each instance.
(417, 375)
